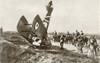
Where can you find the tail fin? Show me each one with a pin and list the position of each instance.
(23, 29)
(38, 27)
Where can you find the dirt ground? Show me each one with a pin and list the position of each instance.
(22, 52)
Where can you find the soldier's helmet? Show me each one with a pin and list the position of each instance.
(81, 31)
(76, 30)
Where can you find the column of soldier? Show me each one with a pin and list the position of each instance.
(77, 39)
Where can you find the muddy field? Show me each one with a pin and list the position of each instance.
(20, 51)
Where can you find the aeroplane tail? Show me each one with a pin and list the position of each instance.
(48, 15)
(22, 28)
(38, 27)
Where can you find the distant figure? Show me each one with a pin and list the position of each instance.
(73, 34)
(74, 39)
(55, 33)
(94, 44)
(81, 33)
(1, 32)
(68, 33)
(85, 39)
(80, 44)
(77, 33)
(55, 36)
(62, 41)
(68, 37)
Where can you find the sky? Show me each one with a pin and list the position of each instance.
(68, 15)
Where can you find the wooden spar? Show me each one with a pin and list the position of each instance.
(27, 24)
(25, 31)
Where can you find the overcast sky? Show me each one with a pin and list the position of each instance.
(68, 15)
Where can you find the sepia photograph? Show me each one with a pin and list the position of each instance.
(49, 31)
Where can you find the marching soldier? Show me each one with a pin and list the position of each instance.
(77, 33)
(62, 41)
(68, 37)
(55, 33)
(82, 33)
(94, 44)
(68, 33)
(80, 44)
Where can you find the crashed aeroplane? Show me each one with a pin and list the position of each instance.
(37, 29)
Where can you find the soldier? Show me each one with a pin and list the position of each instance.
(55, 36)
(55, 33)
(74, 39)
(77, 33)
(73, 34)
(94, 44)
(68, 33)
(80, 44)
(62, 41)
(68, 37)
(82, 32)
(1, 32)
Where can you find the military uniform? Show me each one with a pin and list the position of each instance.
(94, 44)
(77, 34)
(61, 41)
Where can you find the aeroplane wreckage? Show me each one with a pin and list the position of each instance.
(37, 29)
